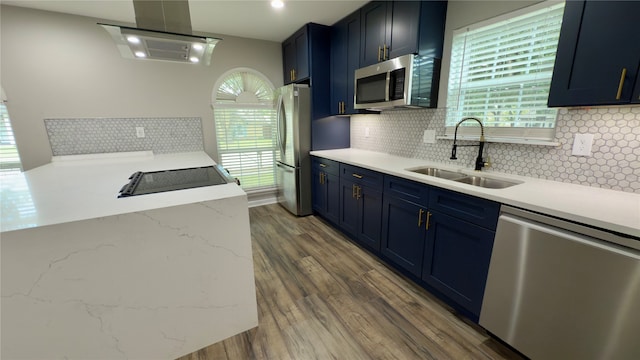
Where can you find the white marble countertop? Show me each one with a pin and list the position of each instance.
(608, 209)
(81, 187)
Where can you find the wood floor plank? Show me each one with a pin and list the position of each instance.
(321, 296)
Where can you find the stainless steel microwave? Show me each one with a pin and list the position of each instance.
(406, 81)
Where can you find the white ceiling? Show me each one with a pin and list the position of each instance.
(250, 19)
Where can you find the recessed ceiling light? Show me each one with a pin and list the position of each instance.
(198, 47)
(140, 54)
(278, 4)
(133, 39)
(194, 59)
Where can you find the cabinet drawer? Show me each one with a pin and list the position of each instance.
(415, 192)
(326, 165)
(466, 207)
(362, 176)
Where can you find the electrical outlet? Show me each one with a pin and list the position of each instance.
(582, 145)
(139, 131)
(429, 137)
(366, 132)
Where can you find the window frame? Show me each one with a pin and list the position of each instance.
(529, 135)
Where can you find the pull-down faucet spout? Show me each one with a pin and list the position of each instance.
(480, 163)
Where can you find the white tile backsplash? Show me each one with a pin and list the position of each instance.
(614, 164)
(108, 135)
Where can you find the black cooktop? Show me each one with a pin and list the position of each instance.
(175, 179)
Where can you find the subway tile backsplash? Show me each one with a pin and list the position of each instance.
(614, 164)
(108, 135)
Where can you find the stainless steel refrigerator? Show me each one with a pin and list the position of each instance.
(293, 165)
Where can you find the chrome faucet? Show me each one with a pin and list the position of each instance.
(480, 163)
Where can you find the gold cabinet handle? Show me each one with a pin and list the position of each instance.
(357, 176)
(379, 51)
(622, 76)
(428, 219)
(358, 192)
(420, 217)
(294, 74)
(322, 178)
(353, 191)
(385, 54)
(323, 165)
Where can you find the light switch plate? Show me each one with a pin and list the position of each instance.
(582, 145)
(429, 137)
(140, 131)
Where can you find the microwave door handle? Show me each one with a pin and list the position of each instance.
(386, 89)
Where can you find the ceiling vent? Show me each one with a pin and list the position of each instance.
(163, 32)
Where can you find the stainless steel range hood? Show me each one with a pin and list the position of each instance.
(163, 32)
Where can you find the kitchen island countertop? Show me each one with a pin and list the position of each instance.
(615, 211)
(88, 275)
(84, 187)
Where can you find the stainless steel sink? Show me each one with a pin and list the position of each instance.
(486, 182)
(440, 173)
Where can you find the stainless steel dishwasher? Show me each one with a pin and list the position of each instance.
(559, 290)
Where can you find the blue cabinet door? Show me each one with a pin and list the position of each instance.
(403, 233)
(405, 23)
(370, 217)
(456, 260)
(345, 59)
(598, 56)
(332, 184)
(375, 21)
(349, 207)
(318, 192)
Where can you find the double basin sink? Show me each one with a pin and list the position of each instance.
(481, 181)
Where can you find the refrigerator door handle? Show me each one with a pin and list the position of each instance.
(284, 167)
(282, 126)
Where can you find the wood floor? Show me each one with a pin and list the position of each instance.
(320, 296)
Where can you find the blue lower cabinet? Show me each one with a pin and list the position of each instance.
(360, 213)
(456, 260)
(326, 188)
(403, 233)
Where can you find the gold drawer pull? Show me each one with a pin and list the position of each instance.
(428, 219)
(323, 165)
(622, 76)
(420, 217)
(357, 176)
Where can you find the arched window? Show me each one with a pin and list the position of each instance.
(245, 119)
(9, 158)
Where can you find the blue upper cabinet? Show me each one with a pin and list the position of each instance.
(295, 52)
(306, 53)
(598, 57)
(394, 28)
(375, 23)
(345, 59)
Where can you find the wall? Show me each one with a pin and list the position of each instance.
(65, 66)
(615, 160)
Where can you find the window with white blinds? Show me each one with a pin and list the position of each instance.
(501, 71)
(245, 119)
(9, 158)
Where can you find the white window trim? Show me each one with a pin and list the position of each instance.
(532, 136)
